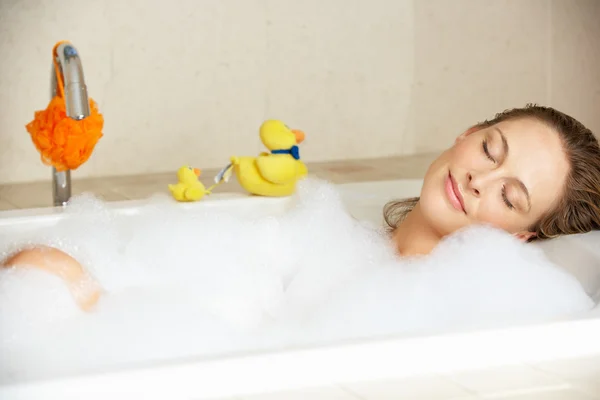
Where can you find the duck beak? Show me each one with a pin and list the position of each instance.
(299, 135)
(197, 172)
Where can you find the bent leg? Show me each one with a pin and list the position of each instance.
(83, 288)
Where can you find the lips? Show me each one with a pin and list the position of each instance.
(453, 193)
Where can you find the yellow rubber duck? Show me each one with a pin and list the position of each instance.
(276, 173)
(189, 187)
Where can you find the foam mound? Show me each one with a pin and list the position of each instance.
(180, 283)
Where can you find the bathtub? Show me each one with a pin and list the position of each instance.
(238, 374)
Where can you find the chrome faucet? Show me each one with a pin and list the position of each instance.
(77, 107)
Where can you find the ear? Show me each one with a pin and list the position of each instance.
(467, 133)
(524, 236)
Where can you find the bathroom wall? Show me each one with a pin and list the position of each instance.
(475, 58)
(190, 81)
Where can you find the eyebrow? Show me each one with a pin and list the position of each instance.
(519, 182)
(504, 142)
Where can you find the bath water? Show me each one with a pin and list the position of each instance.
(180, 283)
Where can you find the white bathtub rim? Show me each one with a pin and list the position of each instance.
(317, 366)
(131, 207)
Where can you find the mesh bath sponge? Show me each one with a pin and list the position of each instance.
(63, 142)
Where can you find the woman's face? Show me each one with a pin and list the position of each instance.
(507, 175)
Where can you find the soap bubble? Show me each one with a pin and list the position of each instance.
(213, 279)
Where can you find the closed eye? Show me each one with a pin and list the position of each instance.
(505, 199)
(487, 151)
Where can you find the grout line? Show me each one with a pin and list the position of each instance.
(509, 393)
(501, 394)
(350, 392)
(467, 389)
(556, 375)
(536, 367)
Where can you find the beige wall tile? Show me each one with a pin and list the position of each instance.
(28, 195)
(39, 194)
(363, 78)
(176, 85)
(5, 205)
(575, 60)
(474, 58)
(192, 83)
(28, 31)
(342, 71)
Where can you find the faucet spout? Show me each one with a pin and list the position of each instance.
(77, 107)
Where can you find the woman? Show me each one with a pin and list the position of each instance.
(533, 172)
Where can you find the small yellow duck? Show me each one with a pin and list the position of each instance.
(272, 174)
(189, 187)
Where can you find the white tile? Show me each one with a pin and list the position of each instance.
(429, 388)
(506, 379)
(322, 393)
(559, 394)
(579, 368)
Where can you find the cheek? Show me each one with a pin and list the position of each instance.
(468, 154)
(495, 219)
(493, 212)
(465, 149)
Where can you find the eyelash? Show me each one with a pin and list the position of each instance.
(505, 199)
(487, 152)
(489, 156)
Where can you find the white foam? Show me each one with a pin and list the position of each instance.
(180, 284)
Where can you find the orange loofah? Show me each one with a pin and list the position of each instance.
(63, 142)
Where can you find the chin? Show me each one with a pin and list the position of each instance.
(436, 216)
(436, 210)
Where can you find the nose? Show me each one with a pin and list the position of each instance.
(474, 184)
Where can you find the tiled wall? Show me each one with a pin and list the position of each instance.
(474, 58)
(189, 81)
